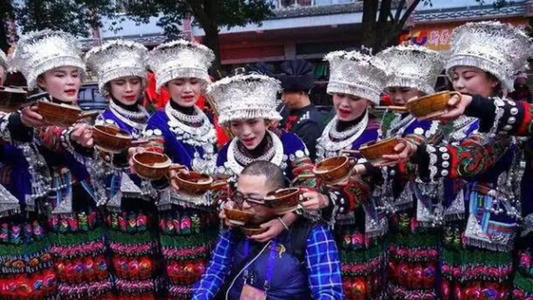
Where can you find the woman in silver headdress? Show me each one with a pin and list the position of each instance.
(25, 259)
(130, 214)
(247, 106)
(355, 83)
(412, 72)
(187, 223)
(478, 242)
(50, 60)
(488, 56)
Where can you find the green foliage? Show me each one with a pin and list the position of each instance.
(73, 16)
(212, 13)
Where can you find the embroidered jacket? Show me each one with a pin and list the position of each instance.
(184, 147)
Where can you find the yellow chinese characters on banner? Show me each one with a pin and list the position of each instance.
(437, 36)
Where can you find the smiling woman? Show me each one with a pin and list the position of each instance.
(50, 60)
(187, 223)
(121, 71)
(247, 105)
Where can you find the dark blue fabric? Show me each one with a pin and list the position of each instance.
(178, 151)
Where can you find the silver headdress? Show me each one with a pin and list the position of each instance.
(3, 60)
(116, 59)
(179, 59)
(356, 74)
(412, 66)
(245, 97)
(43, 51)
(500, 49)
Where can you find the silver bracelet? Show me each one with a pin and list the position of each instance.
(283, 223)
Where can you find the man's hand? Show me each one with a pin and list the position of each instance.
(82, 135)
(30, 117)
(275, 227)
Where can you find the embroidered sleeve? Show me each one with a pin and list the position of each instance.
(54, 138)
(323, 265)
(346, 197)
(503, 116)
(408, 168)
(217, 269)
(473, 156)
(301, 166)
(58, 139)
(415, 139)
(302, 170)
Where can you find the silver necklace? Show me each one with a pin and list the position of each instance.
(341, 135)
(194, 136)
(397, 126)
(329, 145)
(195, 118)
(134, 119)
(244, 160)
(233, 151)
(460, 128)
(140, 114)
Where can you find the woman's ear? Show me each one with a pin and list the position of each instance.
(41, 82)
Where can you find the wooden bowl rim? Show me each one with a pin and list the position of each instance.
(317, 172)
(180, 178)
(426, 97)
(126, 136)
(60, 105)
(271, 197)
(379, 143)
(135, 160)
(249, 215)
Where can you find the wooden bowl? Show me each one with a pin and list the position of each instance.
(61, 114)
(193, 183)
(237, 217)
(430, 105)
(111, 138)
(12, 98)
(151, 165)
(333, 169)
(374, 150)
(250, 230)
(283, 200)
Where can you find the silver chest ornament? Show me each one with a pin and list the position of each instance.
(332, 142)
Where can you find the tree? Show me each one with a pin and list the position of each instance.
(6, 13)
(211, 15)
(384, 20)
(74, 16)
